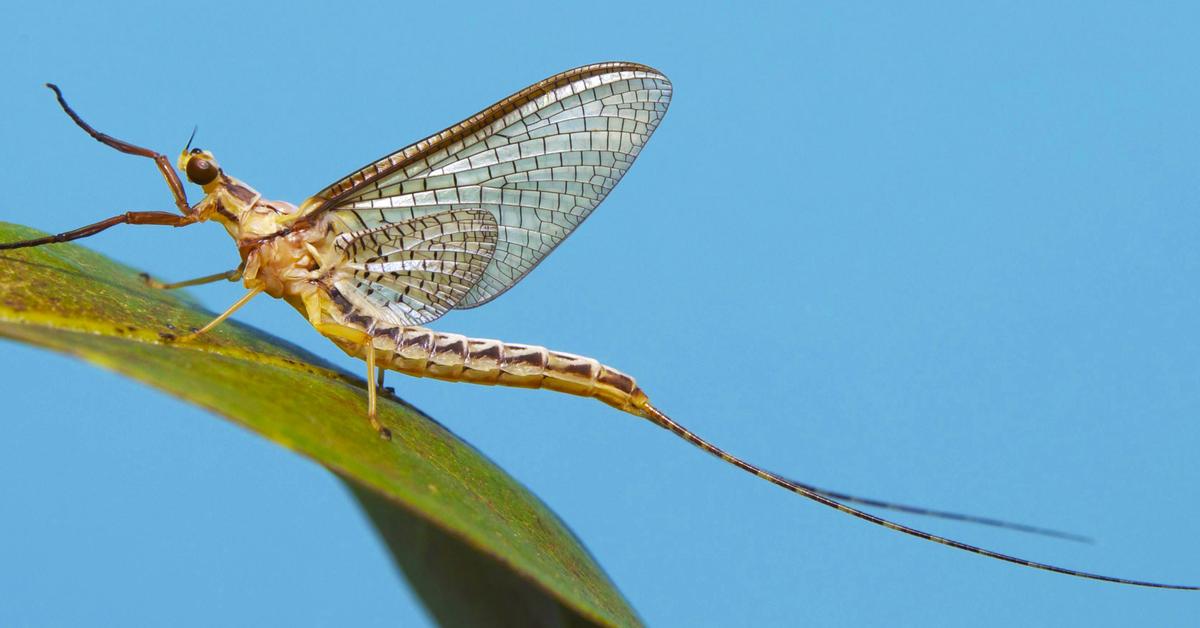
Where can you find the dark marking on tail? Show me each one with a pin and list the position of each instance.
(954, 516)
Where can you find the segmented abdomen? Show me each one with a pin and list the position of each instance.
(455, 358)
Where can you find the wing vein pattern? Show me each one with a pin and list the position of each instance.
(411, 272)
(538, 161)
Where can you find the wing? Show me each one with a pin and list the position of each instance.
(539, 161)
(411, 272)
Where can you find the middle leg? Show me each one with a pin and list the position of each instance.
(224, 315)
(229, 275)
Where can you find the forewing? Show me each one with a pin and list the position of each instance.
(413, 271)
(539, 161)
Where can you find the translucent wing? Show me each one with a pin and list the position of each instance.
(411, 272)
(539, 161)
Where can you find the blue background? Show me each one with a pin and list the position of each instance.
(940, 254)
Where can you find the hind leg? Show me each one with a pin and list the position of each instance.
(372, 393)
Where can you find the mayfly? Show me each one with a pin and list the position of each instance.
(452, 222)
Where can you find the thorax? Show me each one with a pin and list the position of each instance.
(281, 260)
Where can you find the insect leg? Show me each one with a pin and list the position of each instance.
(130, 218)
(229, 275)
(164, 165)
(384, 432)
(224, 315)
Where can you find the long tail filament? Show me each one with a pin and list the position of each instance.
(824, 498)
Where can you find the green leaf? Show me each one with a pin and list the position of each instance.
(477, 546)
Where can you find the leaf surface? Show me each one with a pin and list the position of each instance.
(477, 546)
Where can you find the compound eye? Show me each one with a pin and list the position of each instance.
(201, 171)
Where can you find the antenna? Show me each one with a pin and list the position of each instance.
(191, 137)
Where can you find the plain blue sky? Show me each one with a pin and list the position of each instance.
(944, 254)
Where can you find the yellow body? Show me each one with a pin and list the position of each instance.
(301, 265)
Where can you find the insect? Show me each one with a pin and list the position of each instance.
(452, 222)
